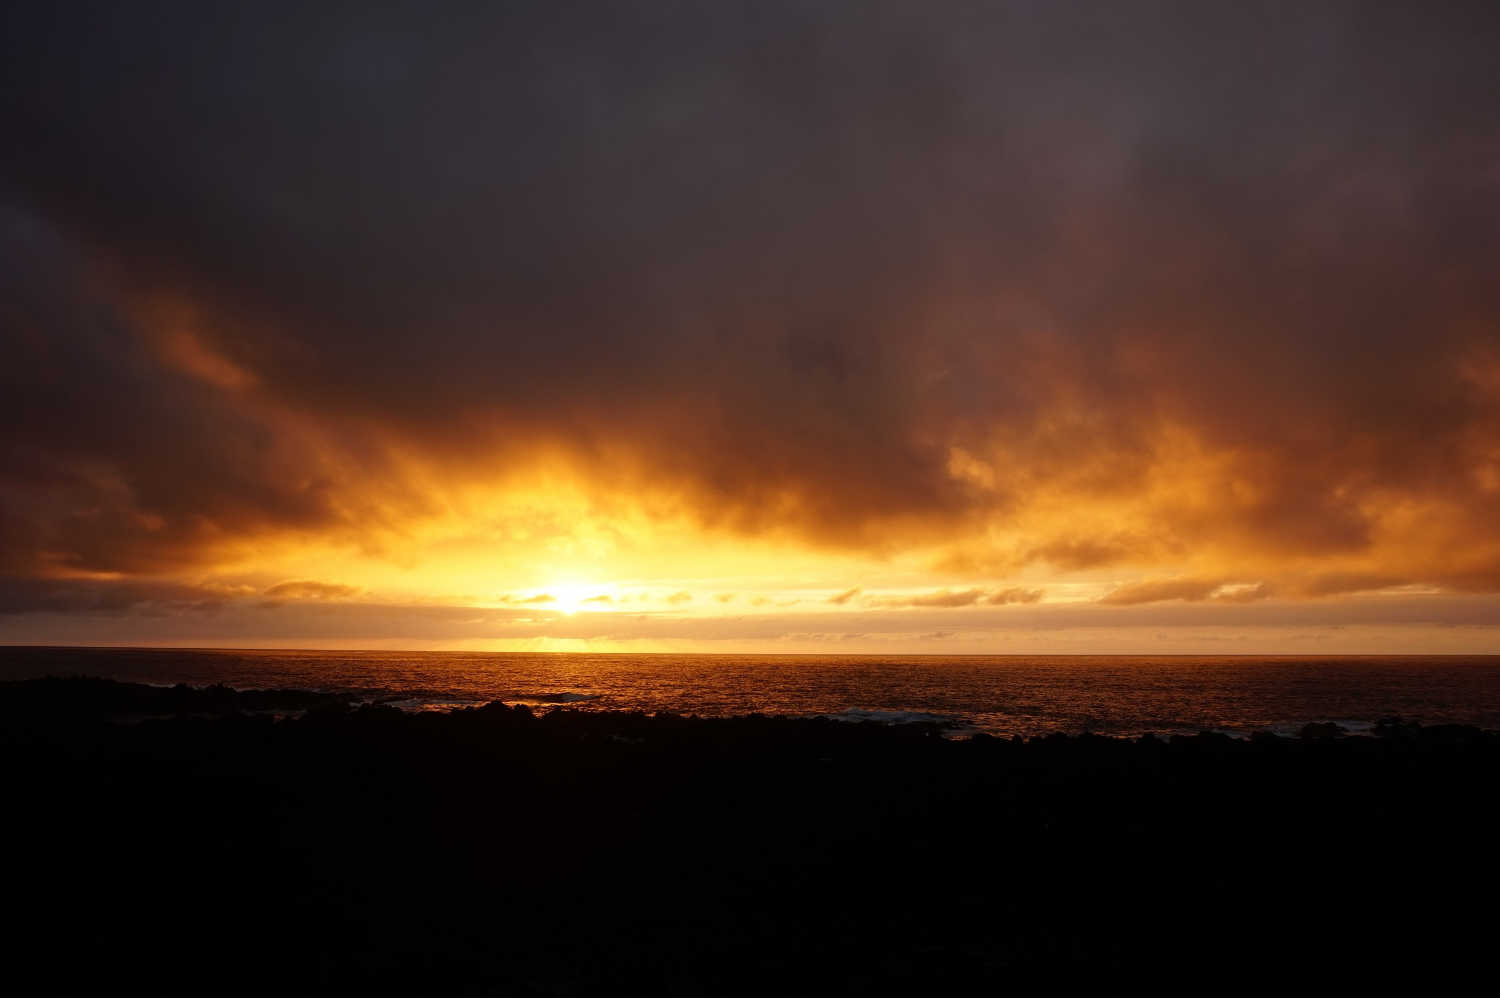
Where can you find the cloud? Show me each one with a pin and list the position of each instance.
(1151, 591)
(946, 598)
(844, 597)
(775, 273)
(24, 595)
(1154, 590)
(960, 598)
(942, 598)
(1082, 553)
(308, 589)
(1243, 592)
(1331, 584)
(1013, 595)
(116, 612)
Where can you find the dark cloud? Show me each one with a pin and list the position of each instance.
(844, 597)
(1153, 590)
(957, 597)
(1013, 595)
(1083, 553)
(960, 598)
(26, 595)
(309, 589)
(942, 598)
(778, 260)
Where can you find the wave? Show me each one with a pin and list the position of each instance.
(884, 717)
(556, 697)
(430, 703)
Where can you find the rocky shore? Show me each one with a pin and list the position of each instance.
(175, 839)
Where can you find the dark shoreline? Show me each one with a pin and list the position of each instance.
(212, 845)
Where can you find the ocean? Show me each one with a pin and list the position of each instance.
(1001, 695)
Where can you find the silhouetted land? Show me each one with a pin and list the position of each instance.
(491, 850)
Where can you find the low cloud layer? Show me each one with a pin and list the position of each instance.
(309, 589)
(1371, 624)
(1179, 295)
(958, 598)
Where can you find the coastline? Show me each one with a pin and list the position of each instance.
(492, 849)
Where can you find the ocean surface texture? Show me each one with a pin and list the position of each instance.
(1003, 695)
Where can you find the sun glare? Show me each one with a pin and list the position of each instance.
(570, 598)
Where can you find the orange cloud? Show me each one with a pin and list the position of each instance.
(539, 598)
(1013, 595)
(309, 589)
(1151, 591)
(960, 598)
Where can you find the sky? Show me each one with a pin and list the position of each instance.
(941, 327)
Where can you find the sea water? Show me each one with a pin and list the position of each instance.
(1002, 695)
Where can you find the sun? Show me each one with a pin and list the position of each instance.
(570, 598)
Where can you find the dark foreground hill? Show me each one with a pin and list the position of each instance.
(173, 842)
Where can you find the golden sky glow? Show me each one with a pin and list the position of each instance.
(957, 335)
